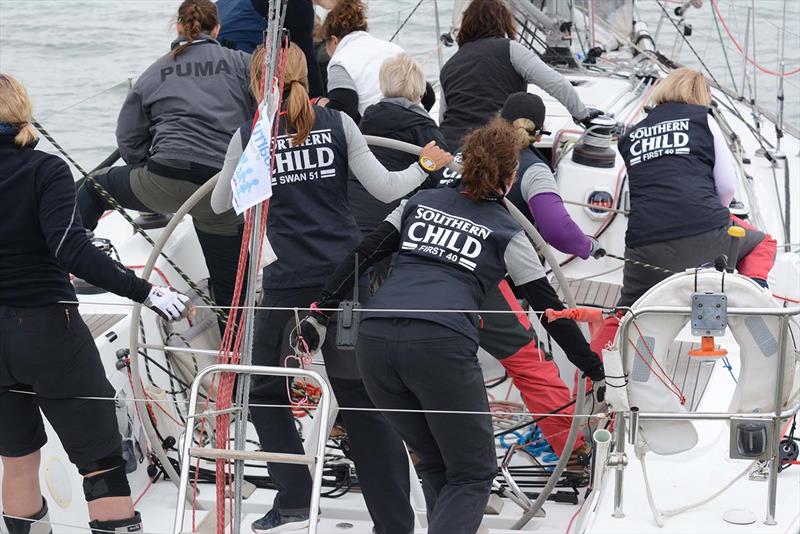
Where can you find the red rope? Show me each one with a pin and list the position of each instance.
(787, 299)
(741, 51)
(676, 391)
(231, 345)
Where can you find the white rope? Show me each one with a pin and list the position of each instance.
(362, 310)
(658, 515)
(79, 527)
(341, 408)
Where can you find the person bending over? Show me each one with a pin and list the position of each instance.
(48, 357)
(310, 228)
(172, 132)
(415, 361)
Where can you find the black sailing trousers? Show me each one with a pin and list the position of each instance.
(412, 364)
(49, 362)
(377, 450)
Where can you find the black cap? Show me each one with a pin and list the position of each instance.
(525, 106)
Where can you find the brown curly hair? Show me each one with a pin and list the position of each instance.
(486, 18)
(195, 17)
(347, 17)
(489, 157)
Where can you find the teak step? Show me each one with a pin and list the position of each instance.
(258, 456)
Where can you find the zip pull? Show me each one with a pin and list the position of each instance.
(66, 314)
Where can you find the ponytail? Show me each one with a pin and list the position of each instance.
(299, 112)
(16, 110)
(195, 17)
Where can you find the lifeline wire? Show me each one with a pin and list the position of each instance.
(118, 207)
(341, 408)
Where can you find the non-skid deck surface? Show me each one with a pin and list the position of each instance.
(100, 322)
(593, 293)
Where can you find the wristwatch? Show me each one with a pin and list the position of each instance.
(427, 163)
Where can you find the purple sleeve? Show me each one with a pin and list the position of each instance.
(557, 227)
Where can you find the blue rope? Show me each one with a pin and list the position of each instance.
(727, 365)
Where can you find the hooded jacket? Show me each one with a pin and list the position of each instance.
(403, 120)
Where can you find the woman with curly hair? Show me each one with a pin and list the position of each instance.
(356, 59)
(452, 244)
(488, 67)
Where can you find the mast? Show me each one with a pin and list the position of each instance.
(273, 34)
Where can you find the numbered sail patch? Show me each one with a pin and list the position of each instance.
(662, 139)
(450, 238)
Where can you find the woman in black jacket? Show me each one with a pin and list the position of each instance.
(418, 340)
(45, 347)
(488, 67)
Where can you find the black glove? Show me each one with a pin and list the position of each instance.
(597, 250)
(312, 331)
(591, 113)
(599, 390)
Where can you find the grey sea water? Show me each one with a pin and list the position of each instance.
(78, 57)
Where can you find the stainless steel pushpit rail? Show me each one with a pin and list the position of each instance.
(784, 314)
(315, 461)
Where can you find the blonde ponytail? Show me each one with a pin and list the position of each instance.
(299, 112)
(16, 109)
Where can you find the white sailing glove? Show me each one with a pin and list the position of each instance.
(168, 303)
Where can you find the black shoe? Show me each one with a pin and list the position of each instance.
(274, 522)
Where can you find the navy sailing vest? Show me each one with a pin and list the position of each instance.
(476, 82)
(452, 251)
(309, 225)
(670, 161)
(527, 157)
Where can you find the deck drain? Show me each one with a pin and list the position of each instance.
(738, 516)
(344, 525)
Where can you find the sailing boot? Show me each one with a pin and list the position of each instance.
(37, 524)
(118, 526)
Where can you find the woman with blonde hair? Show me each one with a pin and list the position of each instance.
(399, 115)
(682, 179)
(311, 229)
(453, 244)
(46, 349)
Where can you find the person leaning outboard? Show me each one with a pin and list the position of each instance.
(356, 59)
(172, 132)
(48, 358)
(310, 228)
(488, 67)
(452, 245)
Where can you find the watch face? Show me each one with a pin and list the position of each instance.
(427, 163)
